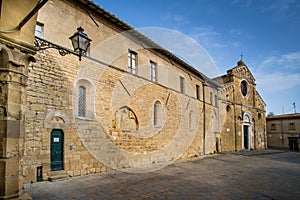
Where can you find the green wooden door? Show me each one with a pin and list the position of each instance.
(57, 141)
(246, 137)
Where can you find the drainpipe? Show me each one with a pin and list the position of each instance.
(235, 121)
(282, 135)
(204, 115)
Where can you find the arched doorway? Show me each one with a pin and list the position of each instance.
(246, 127)
(57, 150)
(246, 136)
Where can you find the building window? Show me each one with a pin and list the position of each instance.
(158, 114)
(155, 113)
(191, 120)
(244, 88)
(211, 97)
(182, 84)
(153, 71)
(216, 100)
(259, 115)
(84, 99)
(292, 126)
(228, 108)
(198, 92)
(273, 127)
(132, 61)
(81, 101)
(39, 30)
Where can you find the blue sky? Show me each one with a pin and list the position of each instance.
(266, 32)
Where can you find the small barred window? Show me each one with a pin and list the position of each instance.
(191, 118)
(82, 101)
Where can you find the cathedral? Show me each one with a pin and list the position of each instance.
(126, 104)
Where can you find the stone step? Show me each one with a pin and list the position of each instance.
(59, 177)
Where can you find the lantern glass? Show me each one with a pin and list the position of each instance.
(80, 42)
(74, 40)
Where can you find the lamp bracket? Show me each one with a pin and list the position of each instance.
(42, 44)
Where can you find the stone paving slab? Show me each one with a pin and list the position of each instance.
(259, 152)
(224, 176)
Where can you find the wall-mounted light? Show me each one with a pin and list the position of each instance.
(80, 42)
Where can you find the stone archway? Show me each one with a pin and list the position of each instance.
(246, 130)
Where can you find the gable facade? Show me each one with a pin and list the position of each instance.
(243, 111)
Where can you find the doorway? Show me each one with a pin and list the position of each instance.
(246, 136)
(293, 144)
(56, 149)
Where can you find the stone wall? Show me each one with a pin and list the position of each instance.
(97, 143)
(119, 130)
(49, 106)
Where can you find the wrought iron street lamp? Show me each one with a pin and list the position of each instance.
(80, 42)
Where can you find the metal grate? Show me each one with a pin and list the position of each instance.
(82, 101)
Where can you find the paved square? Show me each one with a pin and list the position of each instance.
(224, 176)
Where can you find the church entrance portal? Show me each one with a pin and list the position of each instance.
(246, 136)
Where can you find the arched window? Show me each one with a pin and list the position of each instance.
(155, 108)
(126, 120)
(82, 101)
(158, 114)
(191, 120)
(228, 108)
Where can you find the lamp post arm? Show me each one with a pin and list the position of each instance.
(42, 44)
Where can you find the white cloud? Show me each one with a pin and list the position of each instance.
(239, 33)
(207, 36)
(236, 31)
(204, 31)
(279, 73)
(243, 3)
(175, 18)
(287, 10)
(277, 81)
(185, 47)
(278, 89)
(290, 61)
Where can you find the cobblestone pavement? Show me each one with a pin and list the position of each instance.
(224, 176)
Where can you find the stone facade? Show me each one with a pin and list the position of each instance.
(16, 50)
(119, 129)
(283, 131)
(97, 115)
(243, 111)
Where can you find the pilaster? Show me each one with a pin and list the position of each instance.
(13, 78)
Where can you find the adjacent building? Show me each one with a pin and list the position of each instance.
(283, 131)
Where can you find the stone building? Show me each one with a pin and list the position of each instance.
(127, 105)
(243, 116)
(17, 22)
(283, 131)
